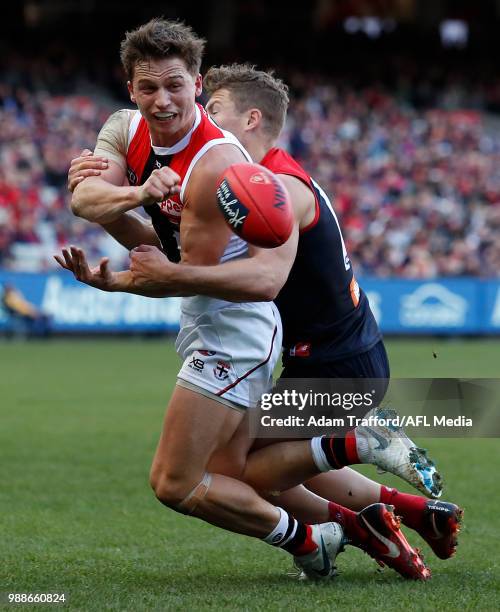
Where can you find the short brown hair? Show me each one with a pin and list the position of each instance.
(160, 38)
(252, 88)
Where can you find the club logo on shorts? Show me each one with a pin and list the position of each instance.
(196, 364)
(301, 349)
(221, 370)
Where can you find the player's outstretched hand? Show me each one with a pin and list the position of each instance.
(150, 268)
(75, 261)
(86, 164)
(162, 183)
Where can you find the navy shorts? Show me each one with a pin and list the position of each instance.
(372, 364)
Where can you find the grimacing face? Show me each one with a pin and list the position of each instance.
(165, 91)
(223, 111)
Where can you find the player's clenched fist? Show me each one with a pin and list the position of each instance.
(162, 183)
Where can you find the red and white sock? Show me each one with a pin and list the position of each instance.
(349, 521)
(291, 535)
(409, 507)
(335, 452)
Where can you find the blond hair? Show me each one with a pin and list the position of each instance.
(252, 88)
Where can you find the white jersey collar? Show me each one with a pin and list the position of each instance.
(183, 143)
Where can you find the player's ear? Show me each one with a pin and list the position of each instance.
(254, 118)
(198, 83)
(130, 88)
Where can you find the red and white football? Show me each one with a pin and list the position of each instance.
(256, 205)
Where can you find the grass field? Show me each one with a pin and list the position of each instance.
(79, 422)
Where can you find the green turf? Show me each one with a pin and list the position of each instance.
(79, 423)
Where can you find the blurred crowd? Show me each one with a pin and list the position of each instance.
(416, 189)
(39, 135)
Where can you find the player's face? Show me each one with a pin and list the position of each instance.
(164, 92)
(223, 111)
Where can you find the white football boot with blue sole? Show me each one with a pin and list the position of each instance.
(391, 450)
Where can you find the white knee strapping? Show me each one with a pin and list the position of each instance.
(189, 503)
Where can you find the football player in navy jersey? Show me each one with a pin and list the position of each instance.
(339, 339)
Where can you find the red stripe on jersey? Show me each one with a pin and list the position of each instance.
(138, 150)
(140, 146)
(205, 132)
(280, 162)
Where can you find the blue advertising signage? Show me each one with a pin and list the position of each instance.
(451, 306)
(75, 307)
(437, 306)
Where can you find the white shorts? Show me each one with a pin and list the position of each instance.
(229, 350)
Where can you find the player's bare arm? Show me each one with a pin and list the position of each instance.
(101, 276)
(302, 199)
(103, 199)
(130, 229)
(203, 231)
(85, 165)
(258, 278)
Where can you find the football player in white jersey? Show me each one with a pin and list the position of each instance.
(226, 347)
(197, 362)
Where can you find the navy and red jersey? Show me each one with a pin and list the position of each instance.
(143, 157)
(325, 313)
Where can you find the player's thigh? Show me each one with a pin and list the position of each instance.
(195, 426)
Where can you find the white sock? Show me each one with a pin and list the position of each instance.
(284, 530)
(362, 448)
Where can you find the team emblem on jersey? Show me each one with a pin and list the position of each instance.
(132, 177)
(260, 178)
(221, 370)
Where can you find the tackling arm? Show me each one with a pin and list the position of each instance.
(257, 278)
(131, 230)
(102, 199)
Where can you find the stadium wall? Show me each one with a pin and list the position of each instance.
(465, 306)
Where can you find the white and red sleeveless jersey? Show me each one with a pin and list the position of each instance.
(143, 157)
